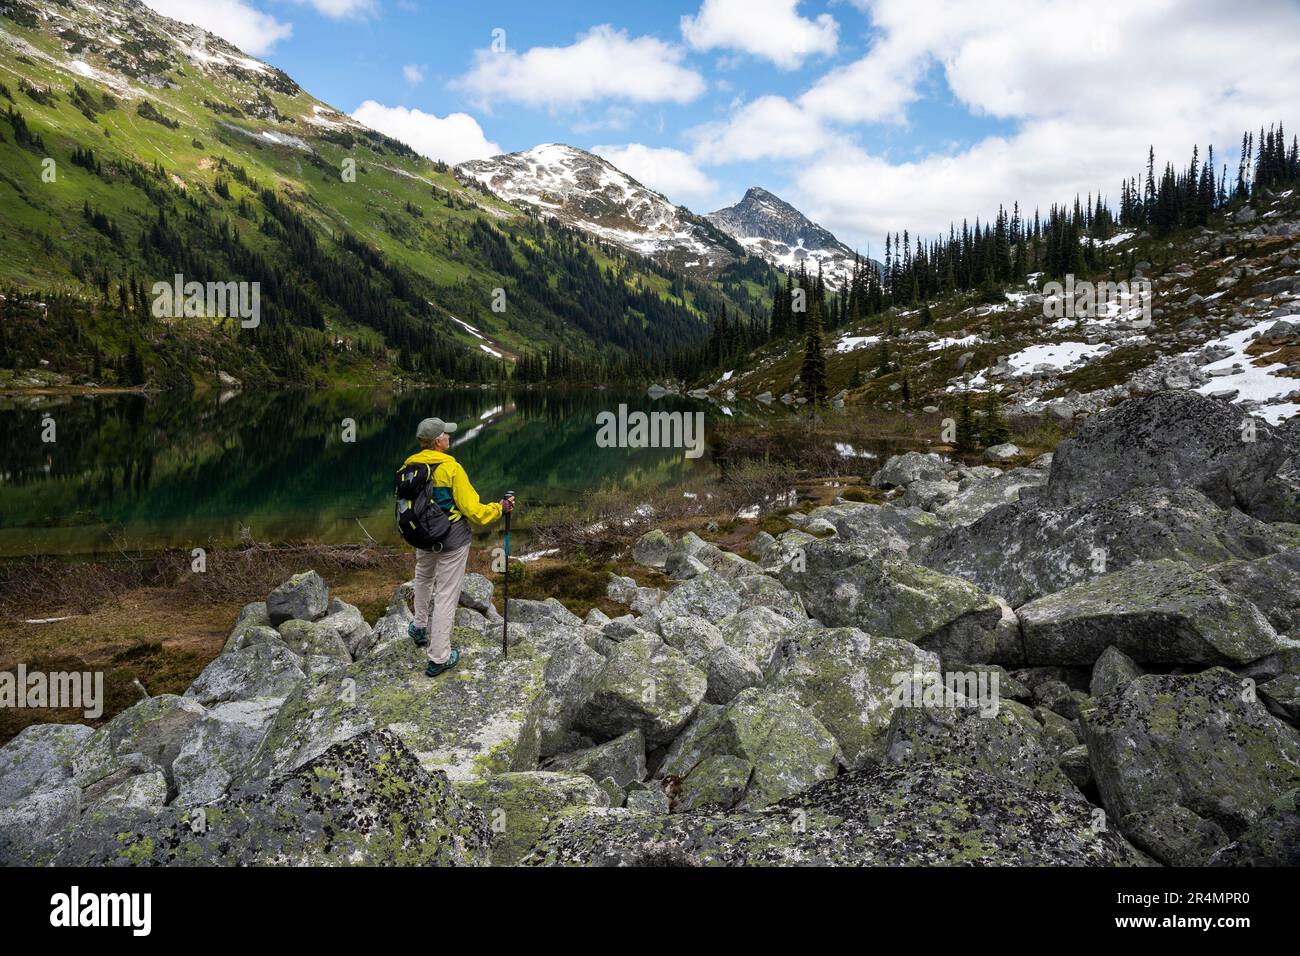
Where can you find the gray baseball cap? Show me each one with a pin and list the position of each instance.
(433, 427)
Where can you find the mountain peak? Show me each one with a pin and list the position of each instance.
(768, 226)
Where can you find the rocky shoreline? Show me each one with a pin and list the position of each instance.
(1091, 659)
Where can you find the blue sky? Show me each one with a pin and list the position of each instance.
(870, 115)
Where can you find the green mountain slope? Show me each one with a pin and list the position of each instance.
(134, 148)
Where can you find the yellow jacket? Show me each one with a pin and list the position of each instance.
(452, 490)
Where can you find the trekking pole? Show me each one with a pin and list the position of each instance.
(505, 619)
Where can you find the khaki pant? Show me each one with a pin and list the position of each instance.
(438, 575)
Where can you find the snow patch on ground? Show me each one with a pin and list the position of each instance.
(1254, 383)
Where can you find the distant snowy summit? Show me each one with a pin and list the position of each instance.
(589, 193)
(770, 227)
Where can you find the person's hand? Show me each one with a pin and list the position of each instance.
(508, 503)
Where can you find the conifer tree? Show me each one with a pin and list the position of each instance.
(812, 376)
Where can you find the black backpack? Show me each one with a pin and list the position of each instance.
(421, 523)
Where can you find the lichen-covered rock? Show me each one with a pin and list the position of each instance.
(1156, 612)
(644, 685)
(729, 673)
(1172, 439)
(706, 595)
(622, 759)
(652, 549)
(363, 802)
(27, 825)
(1281, 696)
(251, 616)
(1174, 835)
(996, 736)
(755, 634)
(1270, 583)
(567, 682)
(220, 745)
(928, 495)
(39, 758)
(849, 586)
(889, 529)
(267, 669)
(917, 815)
(312, 639)
(849, 681)
(346, 621)
(902, 470)
(143, 791)
(693, 636)
(1272, 840)
(1029, 549)
(468, 722)
(718, 782)
(144, 737)
(757, 590)
(789, 747)
(476, 593)
(304, 597)
(1112, 671)
(982, 496)
(519, 806)
(1200, 741)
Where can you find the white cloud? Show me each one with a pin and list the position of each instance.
(770, 126)
(413, 73)
(341, 9)
(603, 63)
(670, 171)
(771, 29)
(453, 139)
(1084, 88)
(251, 30)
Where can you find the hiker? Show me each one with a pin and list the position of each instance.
(435, 506)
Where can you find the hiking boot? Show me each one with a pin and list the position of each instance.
(418, 634)
(433, 670)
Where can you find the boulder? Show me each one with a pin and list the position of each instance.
(706, 595)
(847, 585)
(730, 672)
(902, 470)
(476, 593)
(309, 639)
(645, 685)
(267, 669)
(755, 634)
(1174, 835)
(1028, 549)
(997, 737)
(365, 801)
(914, 815)
(789, 748)
(717, 783)
(1112, 671)
(900, 532)
(346, 621)
(567, 681)
(652, 549)
(1172, 439)
(304, 597)
(1001, 453)
(693, 636)
(1156, 612)
(1272, 840)
(1201, 742)
(219, 747)
(145, 737)
(622, 759)
(29, 827)
(761, 590)
(39, 758)
(982, 496)
(1271, 583)
(849, 681)
(519, 806)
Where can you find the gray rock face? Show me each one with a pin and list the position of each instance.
(1112, 671)
(652, 549)
(1001, 739)
(645, 685)
(310, 639)
(1174, 440)
(1272, 840)
(902, 470)
(1156, 612)
(476, 593)
(1271, 583)
(38, 759)
(622, 758)
(901, 532)
(1201, 742)
(1028, 549)
(755, 634)
(850, 586)
(788, 747)
(706, 595)
(567, 682)
(219, 747)
(849, 681)
(982, 496)
(729, 673)
(143, 738)
(260, 670)
(915, 815)
(366, 801)
(521, 804)
(304, 597)
(27, 825)
(693, 636)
